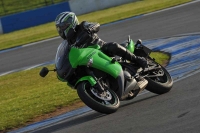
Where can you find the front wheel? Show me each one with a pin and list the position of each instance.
(160, 84)
(106, 103)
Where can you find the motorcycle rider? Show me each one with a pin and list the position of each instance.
(84, 34)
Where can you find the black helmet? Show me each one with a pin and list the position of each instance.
(65, 23)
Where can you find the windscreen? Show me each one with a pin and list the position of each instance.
(62, 55)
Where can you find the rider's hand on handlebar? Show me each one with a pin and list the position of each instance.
(89, 31)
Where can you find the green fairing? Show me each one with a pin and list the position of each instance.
(88, 78)
(94, 46)
(131, 46)
(81, 57)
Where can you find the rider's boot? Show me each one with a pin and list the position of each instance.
(140, 60)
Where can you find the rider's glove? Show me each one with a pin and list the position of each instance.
(90, 33)
(90, 28)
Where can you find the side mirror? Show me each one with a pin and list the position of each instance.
(129, 39)
(138, 43)
(44, 72)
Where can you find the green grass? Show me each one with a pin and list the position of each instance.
(48, 30)
(15, 6)
(161, 58)
(25, 95)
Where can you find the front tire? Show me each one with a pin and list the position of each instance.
(87, 95)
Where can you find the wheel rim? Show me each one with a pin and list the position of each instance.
(109, 100)
(106, 95)
(159, 79)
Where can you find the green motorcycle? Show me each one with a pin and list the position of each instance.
(102, 81)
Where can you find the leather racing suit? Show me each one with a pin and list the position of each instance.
(85, 35)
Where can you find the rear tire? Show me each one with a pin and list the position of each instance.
(161, 84)
(84, 90)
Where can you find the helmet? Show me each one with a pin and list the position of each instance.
(65, 24)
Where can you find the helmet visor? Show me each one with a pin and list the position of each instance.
(62, 27)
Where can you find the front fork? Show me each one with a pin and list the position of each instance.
(98, 85)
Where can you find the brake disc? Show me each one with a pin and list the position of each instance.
(106, 95)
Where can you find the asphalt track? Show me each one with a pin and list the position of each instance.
(176, 111)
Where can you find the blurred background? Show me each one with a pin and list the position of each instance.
(8, 7)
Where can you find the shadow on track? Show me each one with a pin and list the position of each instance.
(137, 101)
(86, 117)
(71, 122)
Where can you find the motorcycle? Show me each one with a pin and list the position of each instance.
(102, 81)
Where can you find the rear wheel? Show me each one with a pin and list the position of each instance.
(106, 102)
(159, 84)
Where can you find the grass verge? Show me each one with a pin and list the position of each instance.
(48, 30)
(15, 6)
(25, 95)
